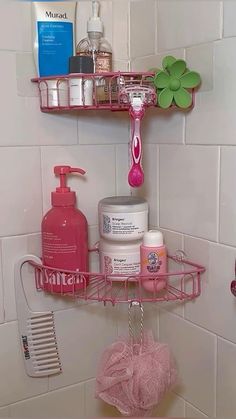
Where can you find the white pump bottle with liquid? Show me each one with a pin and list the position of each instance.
(95, 45)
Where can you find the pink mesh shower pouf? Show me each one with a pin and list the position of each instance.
(135, 377)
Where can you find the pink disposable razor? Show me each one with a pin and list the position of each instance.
(139, 97)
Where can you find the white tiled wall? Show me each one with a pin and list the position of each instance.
(31, 143)
(189, 162)
(196, 200)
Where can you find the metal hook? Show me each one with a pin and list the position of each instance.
(141, 324)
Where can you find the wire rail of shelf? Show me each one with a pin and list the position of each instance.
(103, 93)
(183, 282)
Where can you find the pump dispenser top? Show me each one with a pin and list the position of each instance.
(63, 196)
(95, 23)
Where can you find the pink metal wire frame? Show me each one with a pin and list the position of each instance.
(114, 80)
(181, 284)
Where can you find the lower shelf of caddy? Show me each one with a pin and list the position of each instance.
(182, 282)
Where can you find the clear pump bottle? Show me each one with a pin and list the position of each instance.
(99, 49)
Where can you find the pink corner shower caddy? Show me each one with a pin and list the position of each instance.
(183, 280)
(121, 91)
(115, 83)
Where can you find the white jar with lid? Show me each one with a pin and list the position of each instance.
(123, 218)
(119, 258)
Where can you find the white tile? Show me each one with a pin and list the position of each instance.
(229, 18)
(189, 198)
(30, 127)
(97, 407)
(200, 58)
(120, 65)
(174, 14)
(226, 403)
(154, 61)
(1, 287)
(219, 261)
(52, 129)
(145, 63)
(16, 384)
(5, 412)
(227, 198)
(96, 127)
(13, 248)
(150, 189)
(120, 24)
(198, 251)
(193, 412)
(172, 406)
(17, 34)
(84, 12)
(213, 121)
(122, 169)
(68, 402)
(142, 16)
(151, 318)
(163, 127)
(21, 205)
(197, 369)
(122, 320)
(82, 334)
(99, 181)
(173, 242)
(25, 70)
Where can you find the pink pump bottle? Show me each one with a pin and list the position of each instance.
(65, 237)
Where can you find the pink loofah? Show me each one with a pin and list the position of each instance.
(134, 378)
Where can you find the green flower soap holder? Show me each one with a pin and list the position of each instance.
(174, 83)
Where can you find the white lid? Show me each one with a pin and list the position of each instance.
(153, 238)
(95, 24)
(123, 204)
(119, 247)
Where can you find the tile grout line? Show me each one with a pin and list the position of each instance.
(159, 184)
(218, 196)
(221, 20)
(216, 376)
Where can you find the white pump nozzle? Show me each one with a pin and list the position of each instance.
(95, 24)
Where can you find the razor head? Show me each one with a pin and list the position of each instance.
(138, 96)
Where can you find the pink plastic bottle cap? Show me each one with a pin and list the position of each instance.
(153, 238)
(63, 196)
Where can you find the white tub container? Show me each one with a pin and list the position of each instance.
(54, 93)
(123, 218)
(119, 258)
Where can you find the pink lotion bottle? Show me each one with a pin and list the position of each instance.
(153, 258)
(65, 237)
